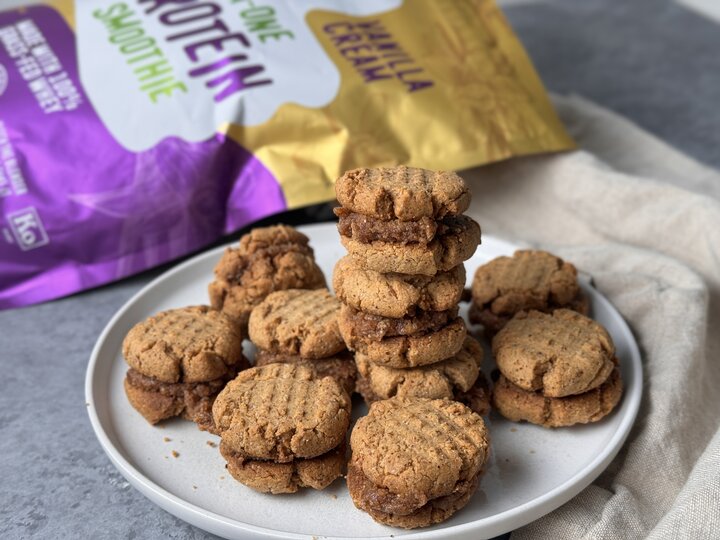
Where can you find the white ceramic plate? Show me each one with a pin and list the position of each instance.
(531, 472)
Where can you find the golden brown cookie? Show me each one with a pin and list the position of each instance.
(340, 367)
(267, 259)
(559, 354)
(456, 240)
(440, 380)
(299, 322)
(158, 401)
(528, 280)
(517, 404)
(409, 351)
(191, 344)
(411, 452)
(281, 412)
(396, 295)
(272, 477)
(403, 193)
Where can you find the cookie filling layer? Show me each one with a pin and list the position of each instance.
(494, 322)
(378, 500)
(375, 327)
(157, 400)
(369, 229)
(197, 389)
(340, 367)
(273, 477)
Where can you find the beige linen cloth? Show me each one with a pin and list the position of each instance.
(644, 221)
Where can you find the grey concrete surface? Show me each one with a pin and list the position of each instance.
(649, 60)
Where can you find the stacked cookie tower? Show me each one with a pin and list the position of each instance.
(402, 281)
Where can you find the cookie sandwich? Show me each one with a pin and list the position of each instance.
(179, 361)
(415, 461)
(530, 279)
(282, 428)
(556, 369)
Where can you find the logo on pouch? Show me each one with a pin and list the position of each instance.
(27, 228)
(3, 79)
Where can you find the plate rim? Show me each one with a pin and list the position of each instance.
(495, 525)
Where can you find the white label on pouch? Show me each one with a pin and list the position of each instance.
(161, 68)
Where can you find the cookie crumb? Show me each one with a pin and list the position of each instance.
(222, 477)
(513, 429)
(175, 454)
(167, 439)
(211, 444)
(333, 496)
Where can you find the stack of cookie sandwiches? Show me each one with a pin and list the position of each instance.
(301, 327)
(402, 281)
(267, 259)
(283, 427)
(418, 456)
(179, 361)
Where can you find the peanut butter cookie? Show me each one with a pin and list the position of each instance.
(281, 412)
(396, 295)
(560, 354)
(272, 477)
(180, 359)
(340, 366)
(267, 259)
(374, 327)
(434, 381)
(456, 240)
(403, 193)
(299, 322)
(528, 280)
(406, 351)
